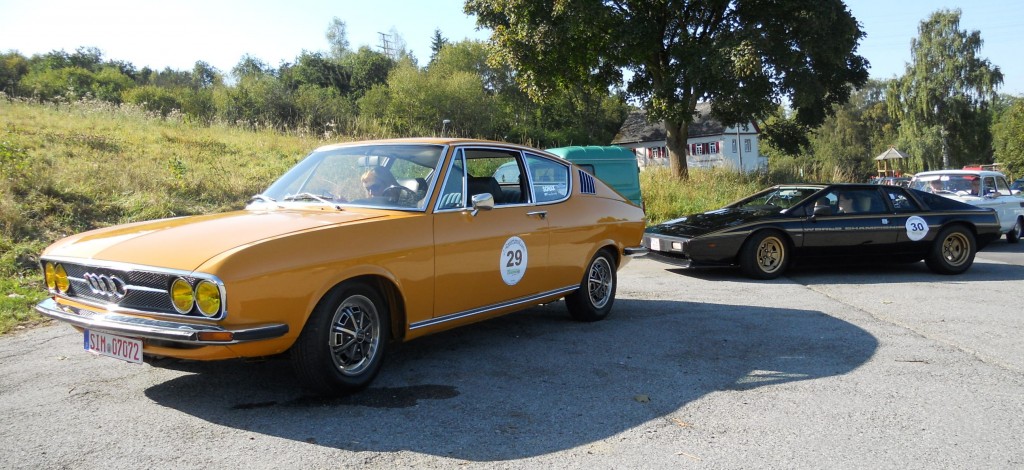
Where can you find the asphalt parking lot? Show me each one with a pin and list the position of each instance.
(873, 367)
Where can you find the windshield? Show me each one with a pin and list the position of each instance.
(396, 176)
(955, 184)
(781, 198)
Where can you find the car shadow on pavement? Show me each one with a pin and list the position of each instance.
(531, 383)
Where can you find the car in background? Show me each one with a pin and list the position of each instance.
(901, 181)
(616, 166)
(982, 188)
(837, 223)
(1017, 185)
(358, 245)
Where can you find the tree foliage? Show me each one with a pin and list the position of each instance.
(942, 98)
(856, 132)
(437, 42)
(1008, 136)
(740, 55)
(337, 38)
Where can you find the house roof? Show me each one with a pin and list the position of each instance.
(638, 129)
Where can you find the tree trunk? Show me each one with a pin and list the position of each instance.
(676, 135)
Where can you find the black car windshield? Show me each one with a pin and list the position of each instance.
(396, 176)
(782, 197)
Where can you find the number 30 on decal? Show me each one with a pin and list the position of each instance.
(917, 228)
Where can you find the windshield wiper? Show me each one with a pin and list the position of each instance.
(261, 198)
(307, 196)
(264, 198)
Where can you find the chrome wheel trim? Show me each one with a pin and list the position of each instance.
(956, 249)
(770, 254)
(600, 282)
(355, 335)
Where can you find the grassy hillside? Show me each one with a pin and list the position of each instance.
(72, 167)
(76, 166)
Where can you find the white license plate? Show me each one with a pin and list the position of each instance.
(655, 244)
(118, 347)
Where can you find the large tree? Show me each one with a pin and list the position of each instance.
(741, 55)
(941, 100)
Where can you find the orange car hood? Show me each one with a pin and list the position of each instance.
(185, 243)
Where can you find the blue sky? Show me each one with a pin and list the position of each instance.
(177, 33)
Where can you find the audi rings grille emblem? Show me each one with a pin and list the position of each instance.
(109, 286)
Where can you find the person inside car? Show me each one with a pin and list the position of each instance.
(845, 204)
(376, 180)
(820, 204)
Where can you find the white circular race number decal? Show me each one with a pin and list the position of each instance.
(917, 228)
(513, 261)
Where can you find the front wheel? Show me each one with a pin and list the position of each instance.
(1015, 233)
(596, 294)
(343, 343)
(953, 251)
(765, 255)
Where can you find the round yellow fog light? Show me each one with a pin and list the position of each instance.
(51, 276)
(208, 298)
(182, 296)
(61, 280)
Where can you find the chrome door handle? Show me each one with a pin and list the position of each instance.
(542, 214)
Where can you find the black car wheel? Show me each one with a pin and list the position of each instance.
(343, 343)
(953, 251)
(765, 255)
(593, 300)
(1016, 233)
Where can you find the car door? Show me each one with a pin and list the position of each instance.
(486, 258)
(910, 223)
(860, 224)
(996, 194)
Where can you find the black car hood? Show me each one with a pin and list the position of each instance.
(707, 222)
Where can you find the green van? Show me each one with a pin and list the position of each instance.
(616, 166)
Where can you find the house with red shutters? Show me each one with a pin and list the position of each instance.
(710, 144)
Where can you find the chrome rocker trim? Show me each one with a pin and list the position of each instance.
(477, 311)
(177, 332)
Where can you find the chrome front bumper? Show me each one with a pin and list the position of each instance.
(138, 327)
(635, 251)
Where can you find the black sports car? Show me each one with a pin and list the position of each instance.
(764, 233)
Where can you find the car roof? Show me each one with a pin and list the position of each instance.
(435, 141)
(960, 172)
(828, 185)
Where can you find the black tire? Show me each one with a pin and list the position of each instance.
(765, 255)
(953, 251)
(593, 300)
(342, 346)
(1015, 233)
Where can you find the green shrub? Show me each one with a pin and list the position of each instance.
(153, 98)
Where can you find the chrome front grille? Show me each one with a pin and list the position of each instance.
(144, 291)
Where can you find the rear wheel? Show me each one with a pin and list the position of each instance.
(1015, 233)
(765, 255)
(953, 251)
(343, 343)
(596, 294)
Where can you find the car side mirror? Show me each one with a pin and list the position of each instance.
(822, 210)
(482, 201)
